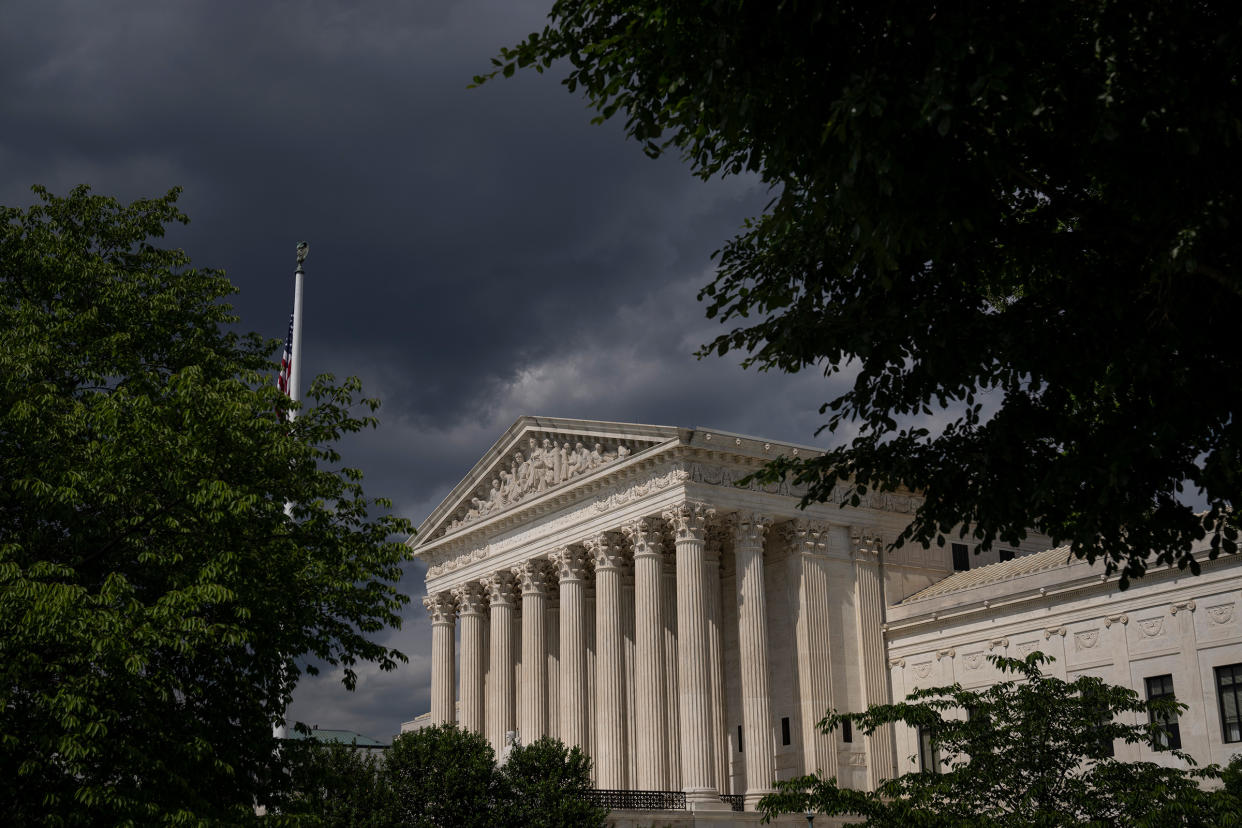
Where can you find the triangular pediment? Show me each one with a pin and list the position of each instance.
(534, 457)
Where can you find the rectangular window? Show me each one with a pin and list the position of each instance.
(929, 755)
(785, 730)
(739, 739)
(1161, 687)
(961, 557)
(1105, 719)
(1229, 693)
(847, 731)
(1007, 554)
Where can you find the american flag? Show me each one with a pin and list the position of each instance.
(286, 362)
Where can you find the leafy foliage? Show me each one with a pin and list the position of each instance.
(1020, 217)
(335, 785)
(155, 597)
(443, 777)
(1032, 750)
(544, 783)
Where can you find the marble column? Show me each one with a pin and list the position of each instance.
(809, 541)
(592, 719)
(570, 563)
(473, 614)
(443, 611)
(870, 602)
(610, 752)
(552, 629)
(672, 704)
(698, 771)
(715, 658)
(758, 738)
(651, 712)
(501, 595)
(533, 716)
(627, 660)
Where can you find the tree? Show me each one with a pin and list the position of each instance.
(1031, 750)
(445, 777)
(545, 786)
(1014, 224)
(442, 776)
(155, 598)
(335, 785)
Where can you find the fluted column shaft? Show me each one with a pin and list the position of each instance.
(501, 595)
(758, 738)
(672, 695)
(473, 634)
(610, 752)
(443, 611)
(651, 709)
(571, 570)
(627, 660)
(875, 667)
(813, 635)
(533, 719)
(715, 661)
(698, 771)
(552, 629)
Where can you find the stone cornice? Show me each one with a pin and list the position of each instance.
(961, 606)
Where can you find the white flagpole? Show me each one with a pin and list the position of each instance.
(281, 731)
(295, 370)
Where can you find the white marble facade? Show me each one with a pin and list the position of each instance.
(610, 585)
(1167, 624)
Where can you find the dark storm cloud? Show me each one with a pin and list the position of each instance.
(476, 254)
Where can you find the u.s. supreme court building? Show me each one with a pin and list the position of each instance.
(611, 585)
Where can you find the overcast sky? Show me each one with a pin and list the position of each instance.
(476, 254)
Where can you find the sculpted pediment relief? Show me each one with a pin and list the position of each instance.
(539, 466)
(534, 457)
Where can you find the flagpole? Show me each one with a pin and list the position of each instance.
(295, 370)
(281, 731)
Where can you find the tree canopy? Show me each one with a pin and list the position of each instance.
(156, 600)
(445, 777)
(1011, 225)
(1031, 750)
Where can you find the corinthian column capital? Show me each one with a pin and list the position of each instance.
(646, 537)
(500, 588)
(749, 528)
(470, 599)
(865, 543)
(808, 537)
(606, 551)
(688, 521)
(441, 607)
(532, 577)
(570, 563)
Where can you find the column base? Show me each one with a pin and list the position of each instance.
(705, 799)
(753, 797)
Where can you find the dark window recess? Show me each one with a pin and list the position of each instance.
(1007, 554)
(1161, 687)
(961, 557)
(785, 730)
(1229, 693)
(739, 739)
(929, 753)
(1105, 740)
(847, 731)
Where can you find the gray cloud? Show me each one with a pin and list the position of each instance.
(476, 254)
